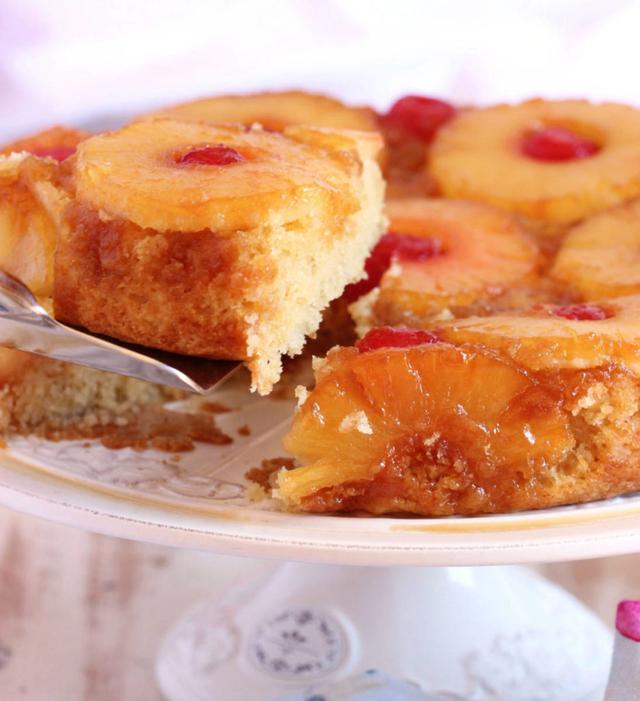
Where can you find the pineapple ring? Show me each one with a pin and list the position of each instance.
(418, 430)
(133, 175)
(274, 111)
(599, 257)
(540, 339)
(477, 156)
(484, 253)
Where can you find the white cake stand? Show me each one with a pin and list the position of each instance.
(313, 630)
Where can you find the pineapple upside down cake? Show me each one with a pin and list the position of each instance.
(498, 312)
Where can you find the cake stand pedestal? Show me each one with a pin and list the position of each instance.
(311, 631)
(440, 603)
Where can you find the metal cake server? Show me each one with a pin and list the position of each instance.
(25, 325)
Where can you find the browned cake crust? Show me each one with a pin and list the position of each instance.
(162, 289)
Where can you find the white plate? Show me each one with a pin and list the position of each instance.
(199, 503)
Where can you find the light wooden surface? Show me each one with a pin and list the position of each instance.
(81, 615)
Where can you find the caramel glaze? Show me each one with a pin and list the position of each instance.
(409, 308)
(447, 477)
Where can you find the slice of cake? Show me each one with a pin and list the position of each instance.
(38, 394)
(45, 396)
(491, 414)
(225, 242)
(39, 201)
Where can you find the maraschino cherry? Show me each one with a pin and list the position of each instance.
(583, 312)
(214, 155)
(419, 116)
(389, 337)
(60, 153)
(390, 246)
(557, 144)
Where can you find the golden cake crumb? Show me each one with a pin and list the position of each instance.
(264, 476)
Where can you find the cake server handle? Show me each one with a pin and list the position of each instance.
(27, 326)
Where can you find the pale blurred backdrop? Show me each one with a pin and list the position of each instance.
(77, 61)
(73, 60)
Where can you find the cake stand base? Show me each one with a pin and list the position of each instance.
(312, 631)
